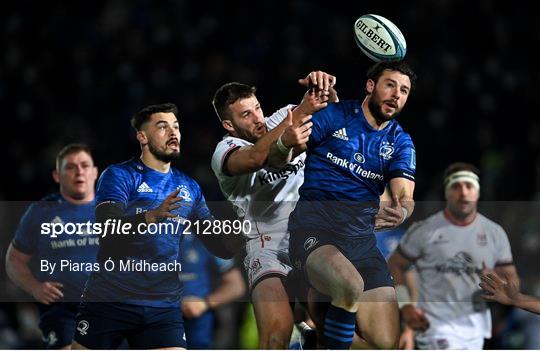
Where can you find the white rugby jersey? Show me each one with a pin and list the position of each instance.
(265, 197)
(448, 258)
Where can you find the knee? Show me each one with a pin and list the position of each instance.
(276, 336)
(386, 341)
(349, 295)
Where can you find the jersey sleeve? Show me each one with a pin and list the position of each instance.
(26, 237)
(403, 163)
(323, 124)
(223, 150)
(278, 116)
(412, 243)
(502, 247)
(114, 185)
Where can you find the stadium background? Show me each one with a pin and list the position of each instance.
(77, 71)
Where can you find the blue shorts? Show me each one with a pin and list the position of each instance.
(57, 323)
(361, 251)
(104, 325)
(200, 331)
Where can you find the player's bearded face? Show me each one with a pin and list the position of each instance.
(247, 119)
(462, 199)
(163, 135)
(77, 175)
(389, 95)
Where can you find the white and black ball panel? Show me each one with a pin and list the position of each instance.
(379, 39)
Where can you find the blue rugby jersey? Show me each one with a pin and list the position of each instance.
(348, 165)
(77, 248)
(139, 188)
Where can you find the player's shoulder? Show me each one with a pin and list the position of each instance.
(47, 202)
(230, 141)
(345, 108)
(124, 169)
(426, 225)
(489, 224)
(396, 130)
(185, 179)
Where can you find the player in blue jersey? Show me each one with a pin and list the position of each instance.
(356, 150)
(135, 296)
(209, 282)
(58, 291)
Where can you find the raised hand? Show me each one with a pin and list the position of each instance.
(165, 209)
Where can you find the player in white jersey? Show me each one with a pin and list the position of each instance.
(263, 194)
(449, 250)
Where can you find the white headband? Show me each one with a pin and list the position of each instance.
(462, 176)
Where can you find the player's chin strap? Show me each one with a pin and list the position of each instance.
(462, 176)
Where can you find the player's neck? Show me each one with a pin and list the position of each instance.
(75, 201)
(462, 222)
(372, 121)
(150, 161)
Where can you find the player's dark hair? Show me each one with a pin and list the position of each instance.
(375, 72)
(460, 166)
(71, 149)
(227, 95)
(144, 115)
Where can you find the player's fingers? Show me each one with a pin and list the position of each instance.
(173, 194)
(57, 285)
(392, 212)
(487, 287)
(289, 117)
(55, 292)
(174, 200)
(488, 297)
(333, 80)
(496, 278)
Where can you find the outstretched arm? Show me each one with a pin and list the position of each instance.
(506, 291)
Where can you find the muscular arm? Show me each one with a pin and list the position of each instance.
(405, 289)
(19, 272)
(403, 189)
(397, 204)
(231, 287)
(506, 291)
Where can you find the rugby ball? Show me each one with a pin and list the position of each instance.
(379, 39)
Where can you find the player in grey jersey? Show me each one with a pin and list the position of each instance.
(449, 250)
(263, 194)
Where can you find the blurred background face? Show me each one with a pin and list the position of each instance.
(163, 135)
(77, 176)
(389, 95)
(247, 119)
(462, 199)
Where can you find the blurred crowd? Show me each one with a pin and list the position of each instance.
(77, 71)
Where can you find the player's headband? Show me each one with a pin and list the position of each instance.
(462, 176)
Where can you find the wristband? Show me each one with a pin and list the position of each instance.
(403, 296)
(405, 214)
(282, 148)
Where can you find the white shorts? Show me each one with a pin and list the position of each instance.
(447, 341)
(267, 256)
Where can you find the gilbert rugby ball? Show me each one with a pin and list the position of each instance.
(379, 39)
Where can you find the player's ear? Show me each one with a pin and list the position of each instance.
(227, 124)
(56, 176)
(141, 137)
(370, 85)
